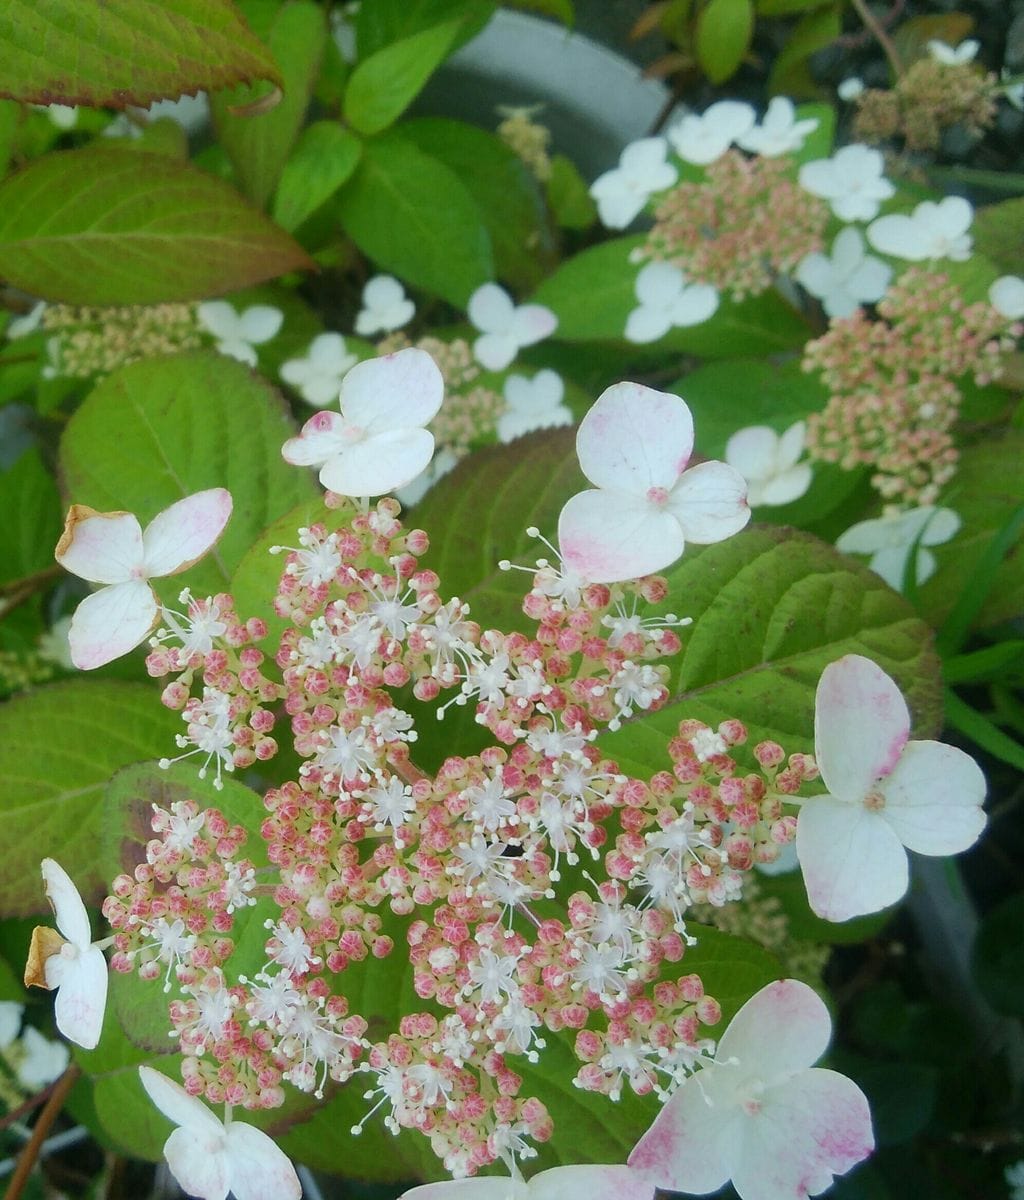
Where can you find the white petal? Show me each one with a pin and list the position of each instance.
(852, 861)
(658, 284)
(865, 537)
(753, 451)
(259, 323)
(111, 622)
(782, 1029)
(943, 524)
(177, 1105)
(791, 444)
(10, 1021)
(383, 292)
(322, 438)
(297, 371)
(327, 351)
(861, 725)
(617, 203)
(710, 502)
(869, 281)
(487, 1188)
(515, 423)
(816, 272)
(696, 304)
(645, 325)
(933, 799)
(495, 350)
(81, 995)
(258, 1169)
(694, 1140)
(490, 309)
(69, 911)
(814, 1127)
(219, 318)
(196, 1160)
(590, 1183)
(891, 564)
(378, 465)
(1006, 296)
(608, 536)
(100, 547)
(730, 118)
(531, 323)
(783, 488)
(900, 236)
(635, 438)
(182, 534)
(847, 250)
(399, 391)
(239, 350)
(43, 1061)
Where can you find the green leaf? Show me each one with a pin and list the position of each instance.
(32, 517)
(258, 144)
(561, 10)
(569, 196)
(911, 37)
(10, 115)
(164, 136)
(987, 665)
(504, 190)
(781, 8)
(804, 925)
(10, 985)
(324, 157)
(125, 52)
(58, 747)
(111, 226)
(902, 1097)
(998, 232)
(385, 21)
(383, 86)
(986, 733)
(183, 424)
(415, 218)
(790, 74)
(724, 29)
(997, 956)
(593, 293)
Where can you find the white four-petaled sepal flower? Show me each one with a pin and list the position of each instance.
(779, 132)
(770, 463)
(317, 377)
(19, 327)
(884, 793)
(41, 1061)
(378, 441)
(1006, 296)
(667, 301)
(533, 404)
(209, 1157)
(953, 56)
(112, 549)
(557, 1183)
(504, 327)
(69, 962)
(704, 139)
(237, 334)
(933, 230)
(633, 445)
(847, 277)
(385, 307)
(851, 181)
(622, 192)
(891, 540)
(850, 88)
(762, 1114)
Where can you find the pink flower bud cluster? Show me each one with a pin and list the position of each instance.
(748, 222)
(540, 891)
(893, 382)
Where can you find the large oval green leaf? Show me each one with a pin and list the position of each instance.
(106, 225)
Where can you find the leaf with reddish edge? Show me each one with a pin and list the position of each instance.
(105, 225)
(125, 52)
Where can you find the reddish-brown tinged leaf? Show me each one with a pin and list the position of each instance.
(114, 226)
(112, 53)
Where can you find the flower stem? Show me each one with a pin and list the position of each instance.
(883, 39)
(28, 1156)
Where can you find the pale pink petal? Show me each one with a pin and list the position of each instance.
(782, 1029)
(81, 984)
(177, 1105)
(810, 1129)
(258, 1169)
(590, 1183)
(380, 464)
(852, 861)
(531, 323)
(196, 1160)
(495, 350)
(71, 918)
(634, 439)
(710, 502)
(399, 391)
(694, 1140)
(933, 799)
(490, 309)
(182, 534)
(322, 437)
(111, 622)
(100, 547)
(861, 725)
(608, 536)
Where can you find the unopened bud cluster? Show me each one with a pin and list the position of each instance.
(95, 341)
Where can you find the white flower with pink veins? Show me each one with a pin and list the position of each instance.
(886, 795)
(761, 1114)
(557, 1183)
(634, 445)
